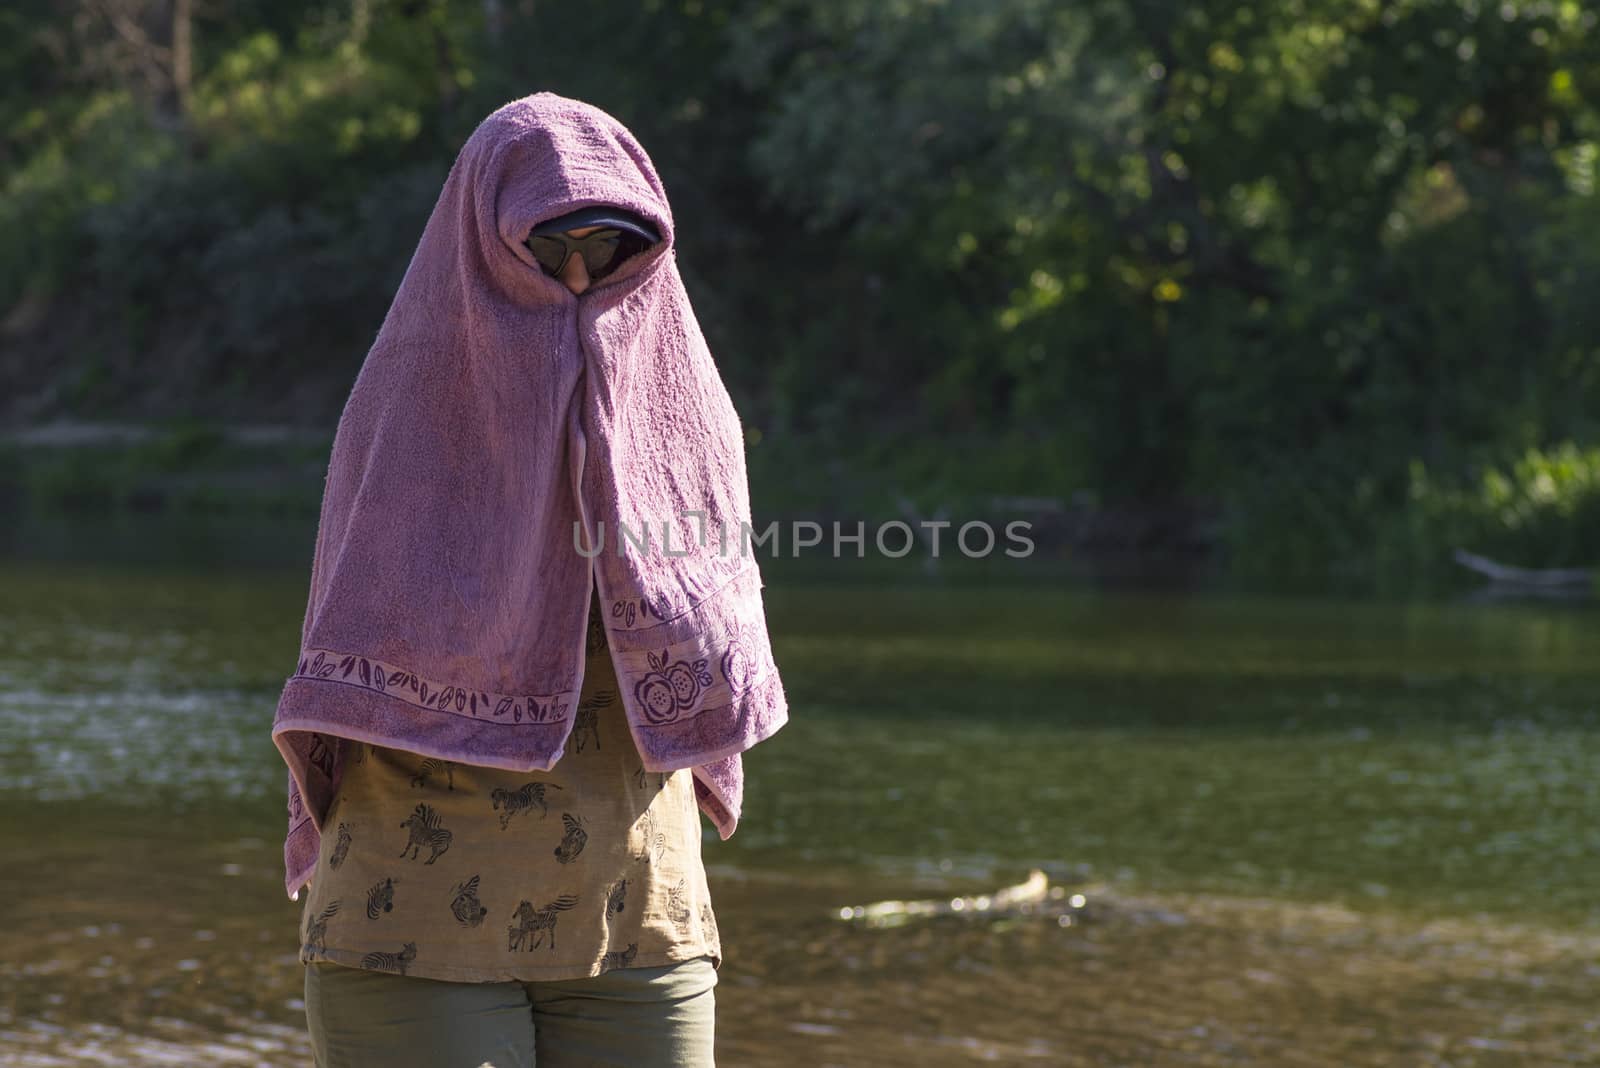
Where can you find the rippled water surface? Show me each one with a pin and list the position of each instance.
(1309, 831)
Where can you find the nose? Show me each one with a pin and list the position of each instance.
(575, 275)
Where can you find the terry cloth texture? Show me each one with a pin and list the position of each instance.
(506, 445)
(451, 871)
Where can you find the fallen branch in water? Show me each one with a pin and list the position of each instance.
(1551, 578)
(1032, 895)
(914, 519)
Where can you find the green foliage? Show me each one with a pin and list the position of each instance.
(73, 162)
(185, 445)
(290, 125)
(1270, 255)
(1540, 510)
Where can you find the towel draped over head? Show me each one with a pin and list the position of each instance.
(505, 447)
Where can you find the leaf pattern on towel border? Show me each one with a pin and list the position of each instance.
(393, 681)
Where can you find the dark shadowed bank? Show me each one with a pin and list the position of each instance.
(187, 468)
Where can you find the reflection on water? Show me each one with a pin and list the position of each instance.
(130, 744)
(1309, 832)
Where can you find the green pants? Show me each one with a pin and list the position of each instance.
(639, 1017)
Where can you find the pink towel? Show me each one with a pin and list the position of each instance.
(499, 425)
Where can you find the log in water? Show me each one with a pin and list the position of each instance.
(1033, 896)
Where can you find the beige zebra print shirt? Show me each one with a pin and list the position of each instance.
(458, 872)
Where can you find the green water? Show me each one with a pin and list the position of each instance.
(1442, 757)
(1185, 756)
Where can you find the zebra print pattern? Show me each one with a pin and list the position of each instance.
(508, 803)
(317, 932)
(425, 831)
(535, 922)
(615, 897)
(391, 962)
(619, 958)
(380, 899)
(465, 906)
(678, 905)
(641, 777)
(573, 841)
(341, 847)
(586, 723)
(653, 843)
(431, 767)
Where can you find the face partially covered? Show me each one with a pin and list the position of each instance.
(580, 255)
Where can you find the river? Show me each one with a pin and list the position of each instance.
(1308, 829)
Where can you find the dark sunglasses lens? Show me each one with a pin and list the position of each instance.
(599, 252)
(630, 246)
(550, 253)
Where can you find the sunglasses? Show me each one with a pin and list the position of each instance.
(602, 251)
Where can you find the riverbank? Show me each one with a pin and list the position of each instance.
(196, 468)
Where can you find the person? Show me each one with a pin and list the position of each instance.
(472, 901)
